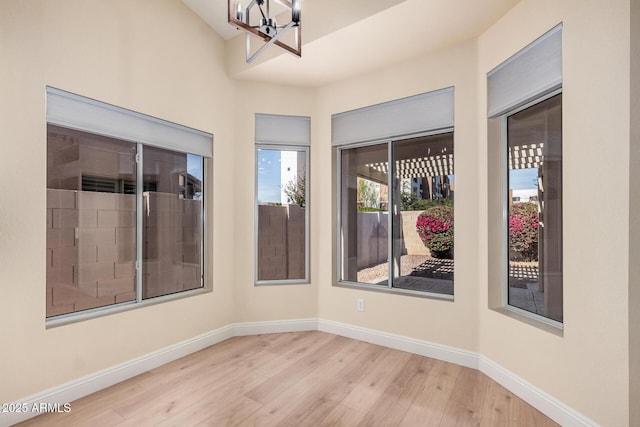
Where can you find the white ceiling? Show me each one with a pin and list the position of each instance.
(341, 40)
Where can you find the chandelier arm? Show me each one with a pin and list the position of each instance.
(270, 42)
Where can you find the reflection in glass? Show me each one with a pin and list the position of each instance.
(423, 214)
(91, 219)
(364, 218)
(281, 205)
(172, 222)
(535, 208)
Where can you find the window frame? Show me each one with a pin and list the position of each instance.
(505, 193)
(277, 282)
(499, 276)
(337, 246)
(207, 177)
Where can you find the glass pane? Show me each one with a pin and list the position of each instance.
(423, 188)
(535, 208)
(364, 217)
(91, 220)
(172, 222)
(281, 214)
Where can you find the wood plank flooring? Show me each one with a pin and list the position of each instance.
(301, 379)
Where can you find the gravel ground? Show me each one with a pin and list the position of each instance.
(380, 272)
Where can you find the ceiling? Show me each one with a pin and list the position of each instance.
(343, 38)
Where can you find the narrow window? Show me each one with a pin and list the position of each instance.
(534, 196)
(281, 207)
(282, 199)
(524, 102)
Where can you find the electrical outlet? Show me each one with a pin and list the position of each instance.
(360, 304)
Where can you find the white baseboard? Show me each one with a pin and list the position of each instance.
(76, 389)
(91, 383)
(539, 399)
(274, 327)
(398, 342)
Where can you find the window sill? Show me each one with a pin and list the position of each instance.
(94, 313)
(534, 320)
(397, 291)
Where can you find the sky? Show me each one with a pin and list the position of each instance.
(269, 186)
(523, 179)
(194, 166)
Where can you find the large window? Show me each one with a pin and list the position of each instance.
(396, 214)
(534, 139)
(281, 206)
(125, 210)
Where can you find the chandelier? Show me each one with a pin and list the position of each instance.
(257, 20)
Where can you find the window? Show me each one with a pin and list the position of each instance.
(125, 210)
(534, 138)
(281, 214)
(395, 213)
(417, 255)
(282, 198)
(525, 183)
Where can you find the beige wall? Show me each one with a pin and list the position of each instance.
(634, 218)
(131, 54)
(271, 302)
(586, 367)
(445, 322)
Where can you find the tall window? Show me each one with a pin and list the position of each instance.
(282, 199)
(125, 210)
(534, 153)
(282, 214)
(525, 182)
(396, 214)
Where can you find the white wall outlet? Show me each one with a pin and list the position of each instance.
(360, 304)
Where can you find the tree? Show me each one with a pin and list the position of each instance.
(367, 193)
(296, 191)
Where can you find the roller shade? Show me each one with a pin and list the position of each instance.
(283, 130)
(530, 73)
(420, 113)
(77, 112)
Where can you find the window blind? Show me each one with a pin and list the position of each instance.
(420, 113)
(283, 130)
(530, 73)
(77, 112)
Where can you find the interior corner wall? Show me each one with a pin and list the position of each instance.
(267, 302)
(450, 323)
(587, 367)
(151, 56)
(634, 220)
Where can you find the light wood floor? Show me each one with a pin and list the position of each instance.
(301, 379)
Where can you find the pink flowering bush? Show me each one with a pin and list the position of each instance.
(523, 232)
(435, 228)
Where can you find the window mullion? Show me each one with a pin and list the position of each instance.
(139, 224)
(390, 211)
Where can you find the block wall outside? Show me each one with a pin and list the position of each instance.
(281, 242)
(91, 248)
(172, 244)
(373, 237)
